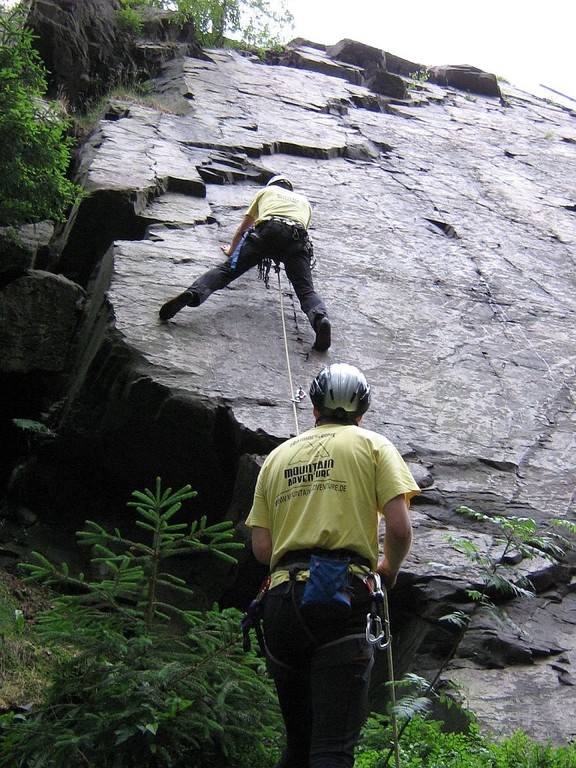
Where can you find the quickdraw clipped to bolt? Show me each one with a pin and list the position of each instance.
(377, 624)
(299, 395)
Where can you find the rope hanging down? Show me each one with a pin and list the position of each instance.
(393, 715)
(293, 398)
(379, 635)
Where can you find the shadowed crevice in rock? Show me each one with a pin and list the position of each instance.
(100, 219)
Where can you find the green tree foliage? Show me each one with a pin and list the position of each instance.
(256, 23)
(34, 146)
(145, 684)
(499, 577)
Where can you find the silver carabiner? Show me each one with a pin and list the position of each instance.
(379, 637)
(377, 631)
(299, 395)
(374, 584)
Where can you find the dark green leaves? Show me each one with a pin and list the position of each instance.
(34, 141)
(145, 684)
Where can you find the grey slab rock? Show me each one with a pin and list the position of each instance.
(467, 78)
(444, 263)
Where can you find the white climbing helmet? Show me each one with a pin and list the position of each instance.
(341, 391)
(281, 181)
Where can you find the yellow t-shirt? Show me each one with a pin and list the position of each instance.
(326, 488)
(276, 201)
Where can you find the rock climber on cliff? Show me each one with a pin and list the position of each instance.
(275, 227)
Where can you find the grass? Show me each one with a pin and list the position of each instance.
(24, 663)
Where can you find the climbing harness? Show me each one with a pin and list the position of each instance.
(297, 232)
(377, 628)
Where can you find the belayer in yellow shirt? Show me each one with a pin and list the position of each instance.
(318, 503)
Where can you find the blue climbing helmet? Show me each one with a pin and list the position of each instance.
(281, 181)
(340, 392)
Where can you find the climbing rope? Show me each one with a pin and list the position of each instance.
(379, 635)
(382, 637)
(293, 398)
(393, 716)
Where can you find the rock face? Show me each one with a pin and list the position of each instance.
(467, 79)
(444, 232)
(38, 318)
(87, 50)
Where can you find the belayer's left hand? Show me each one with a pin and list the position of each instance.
(225, 250)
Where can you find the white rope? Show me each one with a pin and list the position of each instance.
(292, 397)
(394, 719)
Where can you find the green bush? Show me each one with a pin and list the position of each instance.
(129, 20)
(34, 145)
(519, 751)
(146, 684)
(426, 745)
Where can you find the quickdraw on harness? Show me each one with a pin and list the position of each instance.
(377, 622)
(252, 619)
(297, 233)
(264, 267)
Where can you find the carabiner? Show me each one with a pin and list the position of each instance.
(299, 395)
(376, 632)
(374, 585)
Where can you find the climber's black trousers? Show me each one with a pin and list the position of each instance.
(280, 242)
(322, 680)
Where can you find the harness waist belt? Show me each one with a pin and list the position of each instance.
(302, 557)
(288, 222)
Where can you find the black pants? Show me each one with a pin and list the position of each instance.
(322, 675)
(280, 242)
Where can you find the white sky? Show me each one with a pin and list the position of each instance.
(527, 43)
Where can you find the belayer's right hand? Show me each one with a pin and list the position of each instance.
(388, 576)
(225, 250)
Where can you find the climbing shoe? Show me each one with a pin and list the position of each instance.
(323, 333)
(186, 299)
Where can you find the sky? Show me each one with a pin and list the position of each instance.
(527, 44)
